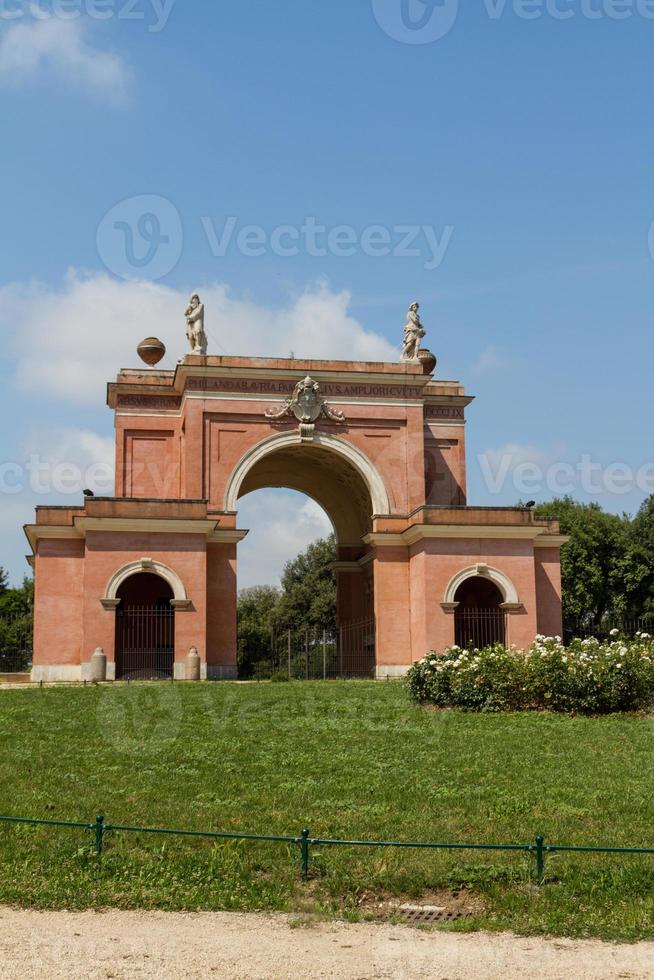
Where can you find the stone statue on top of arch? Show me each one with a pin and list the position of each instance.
(413, 334)
(194, 314)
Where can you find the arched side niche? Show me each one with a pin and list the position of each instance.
(332, 472)
(510, 598)
(180, 599)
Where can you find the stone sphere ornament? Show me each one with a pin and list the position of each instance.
(151, 350)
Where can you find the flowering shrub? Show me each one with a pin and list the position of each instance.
(588, 676)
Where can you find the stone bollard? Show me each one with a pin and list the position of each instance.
(98, 666)
(193, 665)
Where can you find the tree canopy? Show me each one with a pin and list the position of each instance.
(608, 565)
(16, 622)
(308, 598)
(18, 602)
(305, 601)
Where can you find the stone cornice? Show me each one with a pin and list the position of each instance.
(165, 389)
(227, 536)
(82, 525)
(347, 567)
(419, 532)
(41, 532)
(146, 525)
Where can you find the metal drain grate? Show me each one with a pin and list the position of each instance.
(431, 913)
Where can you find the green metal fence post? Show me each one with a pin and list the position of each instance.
(304, 846)
(540, 859)
(99, 833)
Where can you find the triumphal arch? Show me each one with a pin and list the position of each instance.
(380, 446)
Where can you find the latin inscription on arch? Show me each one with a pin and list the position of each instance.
(331, 389)
(163, 403)
(444, 412)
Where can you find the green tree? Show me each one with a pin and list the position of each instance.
(16, 626)
(306, 601)
(4, 580)
(256, 612)
(637, 566)
(308, 598)
(592, 563)
(15, 603)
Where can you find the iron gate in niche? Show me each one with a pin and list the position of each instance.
(145, 642)
(479, 628)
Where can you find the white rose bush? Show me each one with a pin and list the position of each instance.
(586, 677)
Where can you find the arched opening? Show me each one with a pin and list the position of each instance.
(479, 618)
(145, 628)
(338, 485)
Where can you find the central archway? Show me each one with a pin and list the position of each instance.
(348, 488)
(335, 473)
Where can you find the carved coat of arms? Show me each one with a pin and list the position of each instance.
(307, 405)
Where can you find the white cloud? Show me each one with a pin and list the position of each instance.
(14, 512)
(70, 341)
(56, 465)
(71, 460)
(282, 523)
(53, 47)
(490, 359)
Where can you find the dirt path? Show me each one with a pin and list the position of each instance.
(169, 946)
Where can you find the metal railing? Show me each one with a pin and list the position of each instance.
(539, 849)
(145, 642)
(347, 652)
(582, 629)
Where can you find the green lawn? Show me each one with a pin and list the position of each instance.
(344, 759)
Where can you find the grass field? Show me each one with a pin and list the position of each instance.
(345, 759)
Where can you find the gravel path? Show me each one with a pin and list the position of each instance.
(169, 946)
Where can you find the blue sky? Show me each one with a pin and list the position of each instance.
(524, 147)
